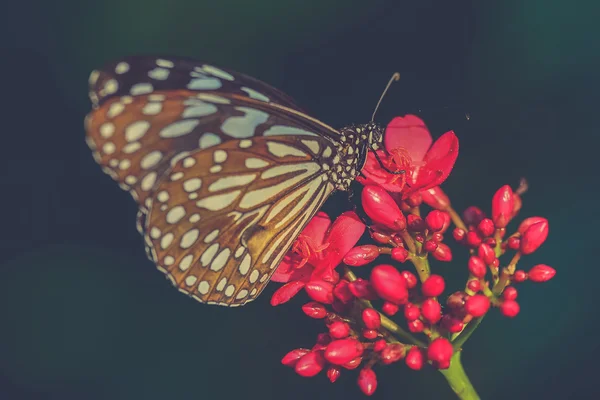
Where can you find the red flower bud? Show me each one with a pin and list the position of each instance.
(379, 345)
(486, 253)
(414, 200)
(286, 292)
(367, 381)
(392, 353)
(490, 242)
(411, 279)
(474, 285)
(353, 364)
(310, 364)
(362, 289)
(430, 245)
(438, 237)
(533, 237)
(541, 273)
(486, 227)
(339, 330)
(439, 352)
(314, 310)
(416, 326)
(339, 352)
(503, 204)
(320, 291)
(513, 243)
(477, 267)
(380, 237)
(442, 253)
(399, 254)
(415, 223)
(510, 293)
(370, 333)
(520, 276)
(361, 255)
(527, 222)
(473, 239)
(435, 198)
(390, 308)
(452, 324)
(433, 286)
(459, 234)
(411, 312)
(291, 358)
(381, 207)
(435, 220)
(389, 284)
(414, 358)
(333, 373)
(510, 308)
(477, 305)
(342, 291)
(371, 318)
(473, 215)
(432, 310)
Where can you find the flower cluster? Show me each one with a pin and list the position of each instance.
(379, 301)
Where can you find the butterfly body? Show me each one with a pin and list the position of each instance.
(226, 170)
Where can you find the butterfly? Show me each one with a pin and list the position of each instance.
(225, 169)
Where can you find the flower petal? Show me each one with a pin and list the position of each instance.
(317, 227)
(442, 156)
(344, 233)
(375, 174)
(410, 133)
(286, 292)
(286, 272)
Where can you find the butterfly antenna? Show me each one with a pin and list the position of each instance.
(394, 77)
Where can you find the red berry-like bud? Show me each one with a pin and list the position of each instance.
(533, 237)
(473, 215)
(362, 289)
(399, 254)
(370, 333)
(473, 239)
(416, 326)
(495, 263)
(432, 310)
(320, 291)
(314, 310)
(392, 353)
(452, 324)
(310, 364)
(411, 279)
(486, 227)
(323, 339)
(286, 292)
(371, 318)
(389, 284)
(456, 300)
(430, 245)
(439, 352)
(380, 237)
(527, 222)
(339, 330)
(477, 305)
(433, 286)
(510, 308)
(361, 255)
(390, 308)
(435, 220)
(333, 373)
(503, 204)
(477, 267)
(339, 352)
(379, 345)
(490, 241)
(486, 253)
(520, 276)
(474, 285)
(353, 364)
(291, 358)
(415, 223)
(438, 237)
(419, 238)
(414, 200)
(435, 198)
(411, 312)
(510, 293)
(381, 207)
(342, 291)
(513, 243)
(459, 234)
(442, 253)
(414, 358)
(541, 273)
(367, 381)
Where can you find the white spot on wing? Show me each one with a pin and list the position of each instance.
(209, 140)
(220, 260)
(160, 74)
(229, 182)
(253, 94)
(244, 126)
(188, 239)
(151, 159)
(245, 264)
(191, 185)
(152, 108)
(175, 214)
(179, 128)
(208, 254)
(141, 88)
(136, 130)
(121, 68)
(204, 84)
(186, 262)
(199, 110)
(203, 287)
(277, 130)
(282, 150)
(217, 72)
(253, 162)
(219, 201)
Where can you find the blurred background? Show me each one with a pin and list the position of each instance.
(84, 314)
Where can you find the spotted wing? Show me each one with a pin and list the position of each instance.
(140, 75)
(222, 218)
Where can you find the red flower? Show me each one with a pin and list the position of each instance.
(408, 147)
(315, 254)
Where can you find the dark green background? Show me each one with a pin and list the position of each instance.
(84, 315)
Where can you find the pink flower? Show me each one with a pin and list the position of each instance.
(316, 253)
(408, 146)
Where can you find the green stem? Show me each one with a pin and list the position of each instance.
(459, 339)
(458, 379)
